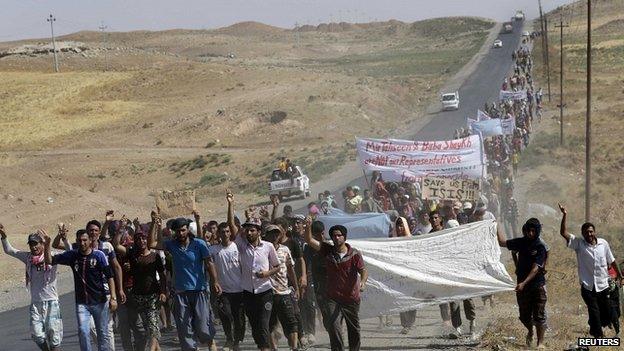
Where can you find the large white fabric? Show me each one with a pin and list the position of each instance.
(359, 225)
(449, 265)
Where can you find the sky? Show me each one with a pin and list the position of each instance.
(21, 19)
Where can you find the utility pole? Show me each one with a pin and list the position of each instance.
(51, 19)
(547, 55)
(542, 31)
(102, 28)
(588, 119)
(561, 105)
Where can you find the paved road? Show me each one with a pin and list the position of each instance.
(481, 86)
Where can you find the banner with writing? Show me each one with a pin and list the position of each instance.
(450, 189)
(459, 158)
(512, 95)
(492, 127)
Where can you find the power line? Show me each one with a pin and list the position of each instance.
(588, 119)
(51, 19)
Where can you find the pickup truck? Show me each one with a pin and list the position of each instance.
(282, 185)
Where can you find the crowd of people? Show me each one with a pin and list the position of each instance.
(282, 273)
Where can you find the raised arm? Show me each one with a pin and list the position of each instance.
(275, 203)
(200, 231)
(154, 239)
(563, 229)
(110, 215)
(60, 236)
(47, 253)
(315, 244)
(8, 249)
(502, 240)
(120, 249)
(230, 213)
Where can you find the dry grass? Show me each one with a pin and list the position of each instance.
(38, 109)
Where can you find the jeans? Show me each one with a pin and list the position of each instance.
(46, 325)
(597, 309)
(130, 325)
(231, 313)
(192, 313)
(100, 314)
(307, 310)
(350, 313)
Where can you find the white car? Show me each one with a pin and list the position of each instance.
(498, 43)
(526, 34)
(450, 101)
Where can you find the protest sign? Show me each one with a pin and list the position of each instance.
(450, 265)
(459, 158)
(450, 189)
(175, 203)
(482, 116)
(494, 126)
(512, 95)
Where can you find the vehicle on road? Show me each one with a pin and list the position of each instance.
(450, 101)
(498, 43)
(507, 27)
(283, 184)
(526, 34)
(519, 16)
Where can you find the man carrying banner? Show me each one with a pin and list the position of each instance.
(531, 288)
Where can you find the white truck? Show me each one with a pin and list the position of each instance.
(287, 185)
(519, 16)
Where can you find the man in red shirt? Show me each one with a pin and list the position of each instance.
(346, 271)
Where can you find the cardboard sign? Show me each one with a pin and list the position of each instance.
(450, 189)
(175, 203)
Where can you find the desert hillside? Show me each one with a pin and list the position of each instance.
(133, 112)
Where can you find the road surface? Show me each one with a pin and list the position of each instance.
(481, 86)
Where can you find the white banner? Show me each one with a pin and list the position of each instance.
(359, 225)
(492, 127)
(515, 95)
(460, 158)
(482, 116)
(450, 265)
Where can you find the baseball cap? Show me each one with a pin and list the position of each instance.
(34, 237)
(298, 217)
(457, 205)
(467, 205)
(178, 223)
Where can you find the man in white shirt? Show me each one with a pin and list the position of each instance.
(594, 257)
(259, 262)
(224, 257)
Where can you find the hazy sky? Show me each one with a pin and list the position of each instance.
(26, 18)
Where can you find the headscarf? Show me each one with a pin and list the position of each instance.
(406, 227)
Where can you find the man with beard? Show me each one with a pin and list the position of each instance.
(594, 258)
(46, 324)
(531, 288)
(348, 275)
(191, 303)
(259, 262)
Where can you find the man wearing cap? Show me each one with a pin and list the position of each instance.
(225, 258)
(46, 324)
(348, 275)
(531, 288)
(258, 260)
(191, 303)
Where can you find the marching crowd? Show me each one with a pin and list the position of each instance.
(282, 273)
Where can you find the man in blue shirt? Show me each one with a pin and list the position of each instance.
(531, 288)
(191, 303)
(91, 274)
